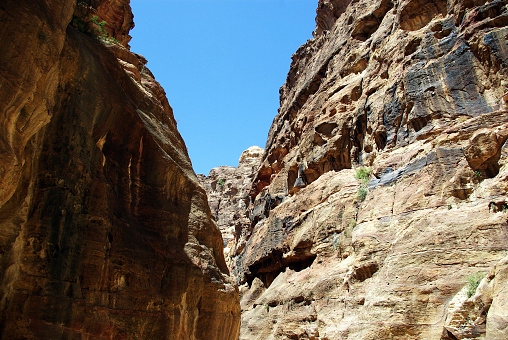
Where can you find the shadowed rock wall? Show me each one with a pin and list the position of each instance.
(105, 231)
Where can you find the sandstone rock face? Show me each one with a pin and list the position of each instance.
(227, 189)
(383, 186)
(116, 15)
(480, 313)
(105, 231)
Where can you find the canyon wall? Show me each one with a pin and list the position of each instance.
(105, 231)
(383, 186)
(227, 189)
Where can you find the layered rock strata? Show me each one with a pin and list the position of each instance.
(227, 189)
(383, 187)
(105, 231)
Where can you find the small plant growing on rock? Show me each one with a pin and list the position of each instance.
(221, 181)
(91, 25)
(362, 175)
(99, 24)
(361, 194)
(473, 281)
(352, 224)
(100, 33)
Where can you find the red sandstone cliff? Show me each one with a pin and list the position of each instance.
(105, 231)
(384, 183)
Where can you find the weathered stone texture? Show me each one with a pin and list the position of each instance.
(481, 312)
(105, 231)
(118, 17)
(415, 90)
(227, 189)
(116, 14)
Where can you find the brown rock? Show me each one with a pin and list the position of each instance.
(412, 90)
(118, 17)
(105, 231)
(480, 313)
(497, 317)
(227, 189)
(327, 12)
(483, 151)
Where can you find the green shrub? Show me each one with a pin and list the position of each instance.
(100, 32)
(473, 281)
(221, 181)
(361, 194)
(91, 25)
(100, 24)
(362, 175)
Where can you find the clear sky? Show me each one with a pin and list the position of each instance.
(221, 63)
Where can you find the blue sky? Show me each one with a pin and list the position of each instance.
(221, 63)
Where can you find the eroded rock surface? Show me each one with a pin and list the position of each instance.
(416, 92)
(228, 196)
(105, 231)
(480, 312)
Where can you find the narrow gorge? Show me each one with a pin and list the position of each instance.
(378, 208)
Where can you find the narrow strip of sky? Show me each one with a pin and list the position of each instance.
(221, 64)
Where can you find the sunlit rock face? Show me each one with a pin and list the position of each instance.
(416, 91)
(481, 312)
(105, 231)
(228, 196)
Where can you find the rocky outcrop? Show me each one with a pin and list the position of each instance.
(227, 189)
(383, 186)
(118, 17)
(115, 15)
(105, 231)
(480, 309)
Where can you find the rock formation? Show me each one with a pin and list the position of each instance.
(383, 186)
(228, 196)
(480, 304)
(105, 231)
